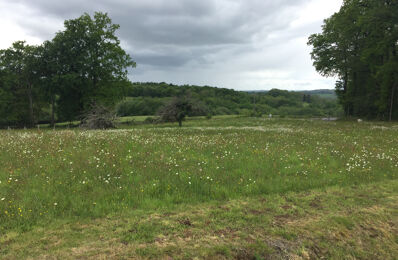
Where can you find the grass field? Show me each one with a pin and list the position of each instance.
(221, 188)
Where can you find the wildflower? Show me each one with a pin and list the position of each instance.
(55, 204)
(3, 199)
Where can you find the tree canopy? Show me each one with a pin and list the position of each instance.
(82, 65)
(179, 107)
(359, 45)
(146, 99)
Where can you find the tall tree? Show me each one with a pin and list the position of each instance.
(358, 45)
(95, 67)
(380, 52)
(18, 65)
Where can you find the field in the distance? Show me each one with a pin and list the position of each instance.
(219, 188)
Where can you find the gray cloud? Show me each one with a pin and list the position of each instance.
(228, 43)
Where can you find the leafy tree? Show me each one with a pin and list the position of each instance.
(20, 81)
(83, 65)
(180, 107)
(358, 45)
(94, 66)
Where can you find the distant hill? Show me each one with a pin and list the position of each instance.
(323, 93)
(145, 98)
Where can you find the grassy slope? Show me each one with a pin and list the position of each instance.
(231, 187)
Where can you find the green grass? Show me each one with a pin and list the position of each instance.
(58, 183)
(352, 222)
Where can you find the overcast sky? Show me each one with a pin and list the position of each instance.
(239, 44)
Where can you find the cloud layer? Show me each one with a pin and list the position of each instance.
(240, 44)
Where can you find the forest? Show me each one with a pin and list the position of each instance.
(147, 98)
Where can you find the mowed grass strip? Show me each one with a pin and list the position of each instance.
(351, 222)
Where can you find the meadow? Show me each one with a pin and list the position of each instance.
(223, 188)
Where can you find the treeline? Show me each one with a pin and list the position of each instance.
(82, 66)
(359, 45)
(148, 98)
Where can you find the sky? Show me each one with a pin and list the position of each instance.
(237, 44)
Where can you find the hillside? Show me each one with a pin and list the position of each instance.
(147, 98)
(324, 93)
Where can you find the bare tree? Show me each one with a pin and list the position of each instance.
(99, 117)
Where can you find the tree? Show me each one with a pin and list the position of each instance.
(20, 79)
(83, 65)
(180, 107)
(380, 51)
(358, 45)
(91, 64)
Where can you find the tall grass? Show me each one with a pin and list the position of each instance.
(74, 173)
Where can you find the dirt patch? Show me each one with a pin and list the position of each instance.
(244, 254)
(185, 222)
(256, 212)
(226, 232)
(282, 249)
(316, 203)
(224, 208)
(282, 219)
(286, 207)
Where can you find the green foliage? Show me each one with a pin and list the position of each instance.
(20, 86)
(82, 65)
(180, 107)
(359, 46)
(95, 65)
(140, 106)
(146, 98)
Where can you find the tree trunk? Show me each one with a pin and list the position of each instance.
(31, 114)
(394, 57)
(392, 102)
(346, 104)
(52, 111)
(179, 123)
